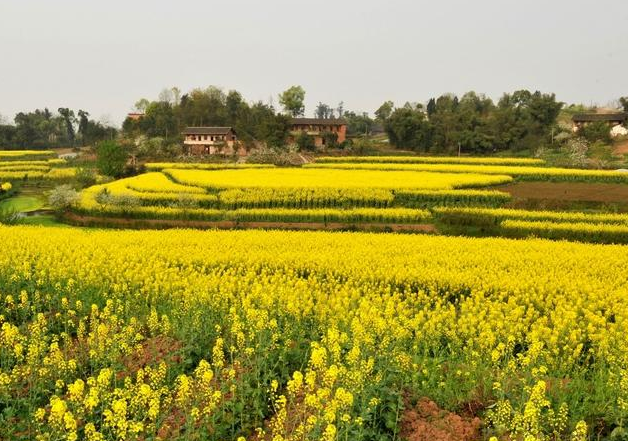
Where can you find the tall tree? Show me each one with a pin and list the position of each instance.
(384, 111)
(83, 125)
(624, 103)
(340, 109)
(141, 105)
(431, 107)
(69, 119)
(292, 101)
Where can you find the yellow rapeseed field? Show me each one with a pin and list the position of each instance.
(252, 335)
(521, 172)
(310, 178)
(431, 160)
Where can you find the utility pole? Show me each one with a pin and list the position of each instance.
(459, 148)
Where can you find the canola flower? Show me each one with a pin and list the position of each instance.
(156, 195)
(602, 233)
(322, 215)
(5, 187)
(519, 172)
(315, 178)
(591, 227)
(430, 160)
(286, 335)
(9, 155)
(496, 215)
(159, 183)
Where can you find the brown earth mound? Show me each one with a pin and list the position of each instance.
(428, 422)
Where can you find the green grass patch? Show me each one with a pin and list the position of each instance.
(22, 203)
(46, 220)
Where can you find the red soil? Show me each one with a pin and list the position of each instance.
(428, 422)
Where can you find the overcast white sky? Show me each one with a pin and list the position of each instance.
(103, 56)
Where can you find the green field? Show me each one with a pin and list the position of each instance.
(23, 204)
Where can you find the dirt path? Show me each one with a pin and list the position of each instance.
(91, 221)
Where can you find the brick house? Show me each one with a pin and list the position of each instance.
(317, 127)
(210, 140)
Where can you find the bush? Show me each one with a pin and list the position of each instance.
(86, 177)
(596, 131)
(305, 142)
(63, 197)
(10, 216)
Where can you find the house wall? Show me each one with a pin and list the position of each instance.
(197, 144)
(315, 131)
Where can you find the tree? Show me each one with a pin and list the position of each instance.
(83, 125)
(358, 124)
(292, 101)
(340, 109)
(111, 158)
(408, 128)
(274, 130)
(166, 96)
(141, 105)
(624, 103)
(69, 119)
(63, 197)
(384, 111)
(235, 106)
(431, 107)
(323, 111)
(176, 95)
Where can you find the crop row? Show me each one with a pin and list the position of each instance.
(487, 216)
(37, 162)
(579, 231)
(16, 155)
(354, 215)
(52, 174)
(593, 227)
(429, 160)
(518, 172)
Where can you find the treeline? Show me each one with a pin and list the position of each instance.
(473, 123)
(171, 113)
(43, 129)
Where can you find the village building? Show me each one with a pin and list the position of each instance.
(317, 127)
(210, 141)
(613, 120)
(134, 116)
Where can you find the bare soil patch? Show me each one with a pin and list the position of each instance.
(571, 191)
(428, 422)
(621, 149)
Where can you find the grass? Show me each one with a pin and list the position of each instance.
(23, 204)
(46, 220)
